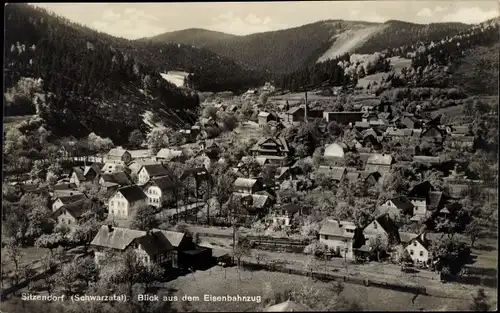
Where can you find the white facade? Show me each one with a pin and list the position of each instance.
(154, 196)
(418, 253)
(340, 245)
(56, 205)
(74, 179)
(119, 206)
(420, 207)
(142, 176)
(67, 220)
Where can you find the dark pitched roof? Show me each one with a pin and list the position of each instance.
(290, 207)
(70, 198)
(75, 209)
(120, 178)
(79, 171)
(154, 243)
(402, 203)
(335, 172)
(155, 170)
(164, 182)
(132, 193)
(65, 186)
(420, 190)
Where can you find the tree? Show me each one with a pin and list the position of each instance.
(480, 302)
(50, 241)
(96, 143)
(135, 139)
(157, 139)
(144, 217)
(210, 112)
(229, 122)
(14, 254)
(475, 230)
(85, 231)
(378, 246)
(87, 271)
(250, 168)
(67, 276)
(451, 254)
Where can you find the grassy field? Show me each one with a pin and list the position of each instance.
(29, 254)
(13, 120)
(452, 111)
(399, 63)
(217, 281)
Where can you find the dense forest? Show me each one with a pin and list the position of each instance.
(302, 46)
(90, 81)
(399, 34)
(280, 51)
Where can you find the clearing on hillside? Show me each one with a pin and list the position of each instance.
(349, 40)
(175, 77)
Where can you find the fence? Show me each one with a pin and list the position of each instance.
(414, 289)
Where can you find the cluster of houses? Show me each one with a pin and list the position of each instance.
(422, 203)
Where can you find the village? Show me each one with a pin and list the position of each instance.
(252, 183)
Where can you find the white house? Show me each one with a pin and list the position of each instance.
(341, 236)
(123, 201)
(418, 248)
(155, 189)
(118, 155)
(150, 171)
(148, 247)
(66, 197)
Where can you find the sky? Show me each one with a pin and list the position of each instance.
(137, 20)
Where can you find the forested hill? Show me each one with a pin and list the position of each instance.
(93, 82)
(397, 34)
(304, 45)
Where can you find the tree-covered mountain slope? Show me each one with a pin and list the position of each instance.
(84, 81)
(288, 50)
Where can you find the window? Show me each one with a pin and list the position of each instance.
(112, 211)
(421, 253)
(326, 237)
(414, 243)
(375, 225)
(411, 252)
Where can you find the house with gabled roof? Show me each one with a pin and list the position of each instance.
(64, 197)
(334, 154)
(419, 250)
(410, 122)
(111, 167)
(156, 189)
(255, 204)
(124, 200)
(432, 134)
(283, 214)
(370, 179)
(427, 202)
(247, 185)
(81, 174)
(168, 155)
(295, 114)
(398, 205)
(118, 155)
(69, 214)
(379, 163)
(343, 237)
(150, 171)
(271, 147)
(383, 228)
(266, 117)
(149, 247)
(118, 178)
(336, 173)
(141, 154)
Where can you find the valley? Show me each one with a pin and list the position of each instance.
(333, 166)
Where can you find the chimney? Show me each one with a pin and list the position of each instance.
(110, 228)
